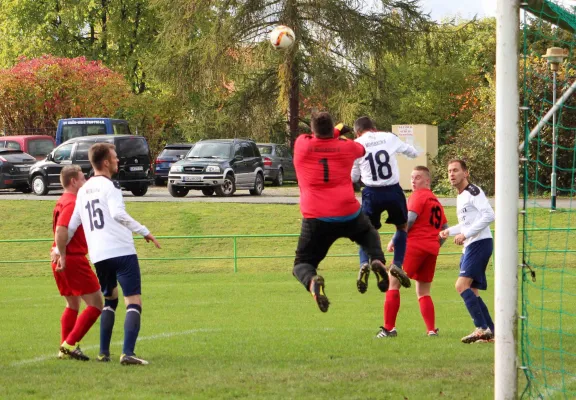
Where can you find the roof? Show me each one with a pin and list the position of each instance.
(95, 138)
(179, 145)
(27, 136)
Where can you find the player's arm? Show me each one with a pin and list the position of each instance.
(412, 216)
(355, 174)
(443, 239)
(486, 215)
(119, 214)
(62, 235)
(75, 220)
(450, 231)
(407, 149)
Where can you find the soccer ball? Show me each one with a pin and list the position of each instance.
(282, 37)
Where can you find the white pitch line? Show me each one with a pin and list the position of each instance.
(91, 347)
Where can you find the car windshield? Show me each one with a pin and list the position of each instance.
(210, 150)
(173, 152)
(131, 147)
(265, 150)
(40, 147)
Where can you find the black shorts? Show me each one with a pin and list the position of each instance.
(317, 236)
(123, 269)
(376, 200)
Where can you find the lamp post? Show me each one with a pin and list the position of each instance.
(555, 56)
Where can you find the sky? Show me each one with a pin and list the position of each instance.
(440, 9)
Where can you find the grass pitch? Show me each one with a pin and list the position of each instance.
(210, 333)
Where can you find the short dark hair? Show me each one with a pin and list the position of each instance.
(68, 173)
(322, 125)
(422, 169)
(98, 153)
(461, 162)
(364, 124)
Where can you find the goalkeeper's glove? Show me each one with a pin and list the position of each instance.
(341, 129)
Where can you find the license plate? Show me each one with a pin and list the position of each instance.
(191, 178)
(139, 168)
(24, 169)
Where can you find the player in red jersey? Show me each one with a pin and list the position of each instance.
(323, 163)
(77, 280)
(426, 220)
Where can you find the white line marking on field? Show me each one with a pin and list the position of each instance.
(91, 347)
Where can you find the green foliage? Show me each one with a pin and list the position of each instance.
(37, 92)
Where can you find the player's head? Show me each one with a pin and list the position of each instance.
(103, 158)
(420, 178)
(363, 124)
(458, 173)
(322, 125)
(72, 178)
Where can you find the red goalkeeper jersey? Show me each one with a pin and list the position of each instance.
(61, 217)
(323, 168)
(431, 218)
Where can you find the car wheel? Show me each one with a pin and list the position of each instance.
(258, 185)
(177, 191)
(279, 181)
(39, 185)
(227, 188)
(208, 191)
(139, 191)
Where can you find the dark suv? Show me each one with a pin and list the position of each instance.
(218, 166)
(134, 172)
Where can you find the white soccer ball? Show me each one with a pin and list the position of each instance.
(282, 37)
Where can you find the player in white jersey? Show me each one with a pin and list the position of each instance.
(473, 232)
(108, 229)
(378, 171)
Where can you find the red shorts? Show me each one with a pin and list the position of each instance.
(420, 264)
(78, 278)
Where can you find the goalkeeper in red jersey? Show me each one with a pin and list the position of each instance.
(426, 220)
(329, 207)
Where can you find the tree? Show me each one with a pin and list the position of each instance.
(335, 40)
(118, 33)
(37, 92)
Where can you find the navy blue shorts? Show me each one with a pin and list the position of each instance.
(376, 200)
(474, 262)
(123, 269)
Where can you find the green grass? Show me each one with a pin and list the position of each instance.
(210, 333)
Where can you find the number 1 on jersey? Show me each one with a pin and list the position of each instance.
(324, 162)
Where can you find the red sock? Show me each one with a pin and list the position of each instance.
(67, 322)
(427, 311)
(391, 307)
(83, 324)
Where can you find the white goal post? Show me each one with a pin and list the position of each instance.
(507, 192)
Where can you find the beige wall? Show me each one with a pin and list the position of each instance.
(425, 139)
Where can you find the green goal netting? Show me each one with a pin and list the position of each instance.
(548, 309)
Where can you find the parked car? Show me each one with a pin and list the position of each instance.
(38, 146)
(169, 155)
(14, 168)
(134, 172)
(70, 128)
(278, 163)
(218, 166)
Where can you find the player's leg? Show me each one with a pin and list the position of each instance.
(391, 308)
(84, 282)
(69, 316)
(424, 277)
(481, 283)
(362, 231)
(469, 273)
(315, 240)
(128, 274)
(394, 202)
(370, 209)
(106, 272)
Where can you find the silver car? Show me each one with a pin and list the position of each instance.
(278, 163)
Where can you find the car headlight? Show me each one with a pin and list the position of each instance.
(212, 168)
(176, 168)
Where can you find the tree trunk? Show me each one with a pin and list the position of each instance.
(294, 103)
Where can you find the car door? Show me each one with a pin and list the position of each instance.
(287, 163)
(62, 156)
(239, 165)
(251, 162)
(80, 157)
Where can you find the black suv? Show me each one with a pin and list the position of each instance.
(134, 172)
(218, 166)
